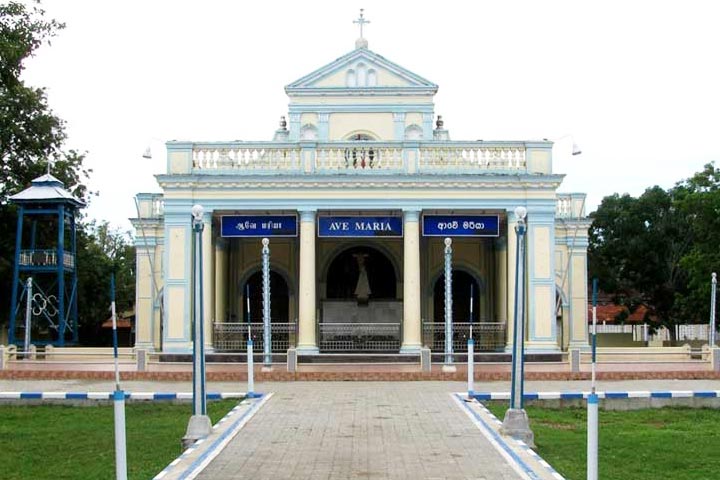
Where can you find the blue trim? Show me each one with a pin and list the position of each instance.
(660, 394)
(593, 399)
(31, 395)
(118, 395)
(617, 395)
(705, 394)
(164, 396)
(76, 396)
(572, 396)
(229, 431)
(499, 440)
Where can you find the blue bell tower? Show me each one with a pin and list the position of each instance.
(45, 249)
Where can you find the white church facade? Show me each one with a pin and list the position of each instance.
(356, 193)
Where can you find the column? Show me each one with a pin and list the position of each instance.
(143, 295)
(501, 280)
(208, 281)
(412, 335)
(307, 342)
(220, 280)
(511, 261)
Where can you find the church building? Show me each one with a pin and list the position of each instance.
(357, 191)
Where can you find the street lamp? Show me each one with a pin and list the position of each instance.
(515, 423)
(199, 425)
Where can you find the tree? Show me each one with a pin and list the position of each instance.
(636, 250)
(103, 252)
(30, 133)
(699, 202)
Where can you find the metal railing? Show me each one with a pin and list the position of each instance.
(232, 337)
(488, 336)
(359, 337)
(45, 258)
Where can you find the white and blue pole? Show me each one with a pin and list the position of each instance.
(471, 351)
(28, 315)
(713, 290)
(592, 405)
(267, 334)
(118, 398)
(250, 367)
(448, 366)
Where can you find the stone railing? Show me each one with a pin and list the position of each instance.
(570, 205)
(396, 157)
(472, 157)
(150, 205)
(251, 157)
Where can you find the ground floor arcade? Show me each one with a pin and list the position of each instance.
(373, 291)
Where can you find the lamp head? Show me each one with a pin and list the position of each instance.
(265, 242)
(520, 212)
(448, 241)
(197, 212)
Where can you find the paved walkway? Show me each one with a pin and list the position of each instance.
(360, 431)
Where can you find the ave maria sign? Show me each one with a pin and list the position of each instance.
(360, 227)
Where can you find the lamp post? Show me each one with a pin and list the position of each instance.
(515, 423)
(713, 289)
(199, 425)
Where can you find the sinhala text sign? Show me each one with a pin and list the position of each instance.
(259, 226)
(461, 226)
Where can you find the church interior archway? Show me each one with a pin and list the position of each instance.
(279, 298)
(462, 284)
(343, 277)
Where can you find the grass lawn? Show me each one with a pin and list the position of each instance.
(677, 443)
(64, 442)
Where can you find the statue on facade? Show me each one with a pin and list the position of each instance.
(362, 289)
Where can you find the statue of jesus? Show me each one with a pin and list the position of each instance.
(362, 289)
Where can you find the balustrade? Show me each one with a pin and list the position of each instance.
(359, 157)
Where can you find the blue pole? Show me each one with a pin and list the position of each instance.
(16, 276)
(60, 260)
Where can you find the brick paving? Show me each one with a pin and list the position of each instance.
(360, 431)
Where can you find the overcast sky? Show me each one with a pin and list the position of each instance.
(637, 84)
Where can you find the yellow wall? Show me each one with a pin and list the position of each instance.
(380, 124)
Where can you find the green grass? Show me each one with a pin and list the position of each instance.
(65, 442)
(677, 443)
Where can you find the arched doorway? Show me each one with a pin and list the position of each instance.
(464, 288)
(344, 273)
(281, 329)
(360, 312)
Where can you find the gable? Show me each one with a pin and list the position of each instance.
(359, 71)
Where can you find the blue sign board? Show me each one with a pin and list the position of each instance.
(259, 226)
(461, 226)
(360, 227)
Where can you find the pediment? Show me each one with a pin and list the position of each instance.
(361, 70)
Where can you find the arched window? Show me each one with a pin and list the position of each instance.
(413, 132)
(351, 78)
(308, 132)
(361, 75)
(371, 78)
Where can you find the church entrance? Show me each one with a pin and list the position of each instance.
(360, 311)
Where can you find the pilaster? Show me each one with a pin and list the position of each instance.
(412, 334)
(307, 341)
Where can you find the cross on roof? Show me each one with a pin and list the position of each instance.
(361, 21)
